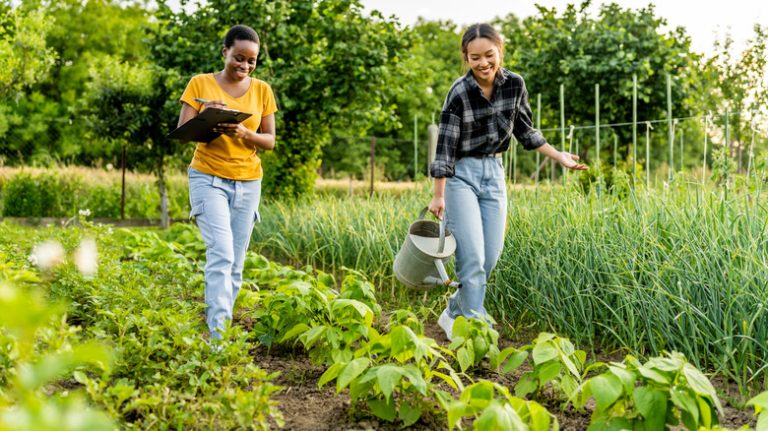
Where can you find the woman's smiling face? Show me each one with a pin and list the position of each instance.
(240, 59)
(484, 59)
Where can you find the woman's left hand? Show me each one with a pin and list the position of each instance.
(235, 130)
(568, 160)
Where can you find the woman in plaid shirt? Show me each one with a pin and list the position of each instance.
(481, 112)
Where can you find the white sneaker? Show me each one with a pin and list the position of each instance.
(446, 323)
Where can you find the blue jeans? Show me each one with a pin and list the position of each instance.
(225, 211)
(476, 214)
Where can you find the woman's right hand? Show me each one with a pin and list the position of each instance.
(214, 104)
(437, 207)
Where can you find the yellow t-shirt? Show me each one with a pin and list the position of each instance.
(226, 156)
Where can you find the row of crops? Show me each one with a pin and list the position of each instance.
(123, 346)
(677, 268)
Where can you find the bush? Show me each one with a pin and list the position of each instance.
(62, 192)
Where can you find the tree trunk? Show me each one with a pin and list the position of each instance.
(164, 218)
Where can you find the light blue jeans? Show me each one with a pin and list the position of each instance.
(225, 211)
(476, 214)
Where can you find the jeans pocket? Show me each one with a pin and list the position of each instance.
(197, 209)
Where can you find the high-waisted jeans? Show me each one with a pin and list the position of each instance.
(476, 214)
(225, 211)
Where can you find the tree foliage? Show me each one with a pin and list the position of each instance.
(71, 37)
(579, 50)
(329, 65)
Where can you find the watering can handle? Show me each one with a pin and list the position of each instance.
(441, 240)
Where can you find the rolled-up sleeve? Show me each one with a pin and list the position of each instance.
(528, 136)
(448, 135)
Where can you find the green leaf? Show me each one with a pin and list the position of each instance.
(350, 371)
(460, 327)
(759, 401)
(499, 416)
(762, 422)
(383, 409)
(606, 388)
(415, 376)
(540, 418)
(652, 404)
(612, 424)
(627, 377)
(363, 310)
(330, 374)
(526, 385)
(548, 372)
(478, 395)
(465, 358)
(455, 411)
(670, 364)
(652, 375)
(388, 376)
(705, 412)
(408, 413)
(701, 385)
(515, 360)
(298, 329)
(685, 402)
(310, 337)
(402, 339)
(543, 352)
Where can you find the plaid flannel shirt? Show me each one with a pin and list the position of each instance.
(472, 126)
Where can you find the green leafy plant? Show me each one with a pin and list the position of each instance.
(395, 375)
(38, 350)
(665, 391)
(556, 362)
(494, 408)
(349, 322)
(290, 309)
(406, 318)
(760, 403)
(472, 340)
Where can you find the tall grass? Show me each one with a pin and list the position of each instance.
(671, 269)
(332, 231)
(674, 270)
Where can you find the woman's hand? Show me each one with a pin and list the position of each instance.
(437, 207)
(568, 160)
(235, 130)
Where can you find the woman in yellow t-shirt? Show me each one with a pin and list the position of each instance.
(225, 173)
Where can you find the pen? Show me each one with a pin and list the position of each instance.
(197, 99)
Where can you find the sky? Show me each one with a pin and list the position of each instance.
(705, 21)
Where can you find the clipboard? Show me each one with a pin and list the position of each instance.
(200, 128)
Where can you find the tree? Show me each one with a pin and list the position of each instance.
(738, 85)
(328, 64)
(25, 59)
(135, 106)
(579, 51)
(45, 125)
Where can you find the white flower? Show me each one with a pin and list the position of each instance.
(86, 257)
(84, 213)
(47, 255)
(109, 166)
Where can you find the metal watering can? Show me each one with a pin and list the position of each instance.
(420, 262)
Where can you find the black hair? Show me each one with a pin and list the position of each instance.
(240, 32)
(482, 30)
